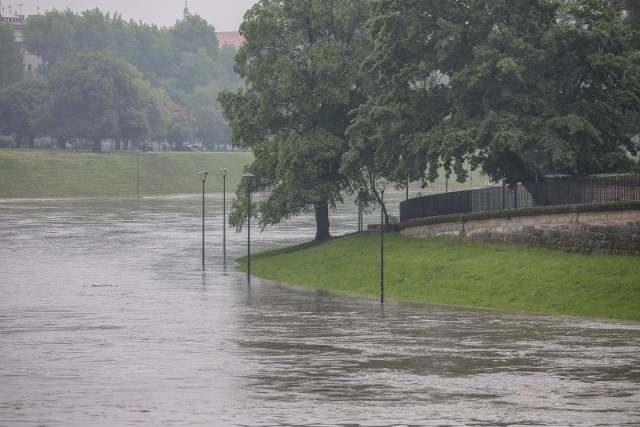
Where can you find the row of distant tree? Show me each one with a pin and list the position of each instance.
(105, 78)
(341, 93)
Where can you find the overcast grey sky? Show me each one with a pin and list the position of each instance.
(224, 15)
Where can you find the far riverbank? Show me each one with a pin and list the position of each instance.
(66, 173)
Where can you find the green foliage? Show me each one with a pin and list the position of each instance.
(11, 68)
(150, 49)
(21, 107)
(180, 129)
(464, 274)
(182, 60)
(301, 61)
(194, 33)
(188, 51)
(518, 88)
(158, 115)
(96, 95)
(211, 129)
(52, 36)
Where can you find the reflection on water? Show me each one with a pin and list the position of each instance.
(107, 318)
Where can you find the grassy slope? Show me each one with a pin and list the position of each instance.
(36, 174)
(464, 274)
(56, 173)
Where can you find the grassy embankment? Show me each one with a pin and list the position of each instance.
(53, 173)
(463, 274)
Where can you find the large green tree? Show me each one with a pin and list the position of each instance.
(96, 95)
(594, 67)
(51, 36)
(210, 127)
(181, 127)
(301, 61)
(150, 49)
(514, 87)
(194, 33)
(11, 67)
(21, 107)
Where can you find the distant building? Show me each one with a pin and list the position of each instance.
(232, 38)
(31, 61)
(185, 12)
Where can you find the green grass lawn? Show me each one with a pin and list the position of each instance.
(463, 274)
(67, 173)
(59, 173)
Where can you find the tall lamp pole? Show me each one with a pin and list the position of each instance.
(203, 177)
(138, 173)
(224, 171)
(381, 184)
(249, 176)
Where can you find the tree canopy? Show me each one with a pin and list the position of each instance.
(96, 95)
(182, 65)
(301, 62)
(11, 68)
(21, 109)
(513, 87)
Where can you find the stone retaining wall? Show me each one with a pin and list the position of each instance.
(611, 232)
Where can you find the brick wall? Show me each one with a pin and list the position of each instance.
(611, 232)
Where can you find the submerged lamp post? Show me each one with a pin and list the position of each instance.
(381, 184)
(224, 171)
(249, 176)
(203, 177)
(137, 174)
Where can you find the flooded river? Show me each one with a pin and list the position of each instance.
(108, 319)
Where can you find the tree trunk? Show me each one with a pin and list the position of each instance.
(322, 222)
(97, 145)
(118, 145)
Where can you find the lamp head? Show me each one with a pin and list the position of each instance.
(224, 171)
(381, 184)
(248, 175)
(203, 175)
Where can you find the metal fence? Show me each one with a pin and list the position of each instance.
(552, 192)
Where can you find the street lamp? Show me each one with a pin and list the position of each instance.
(381, 184)
(224, 171)
(249, 176)
(203, 177)
(407, 195)
(138, 173)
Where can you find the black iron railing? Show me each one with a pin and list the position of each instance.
(551, 192)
